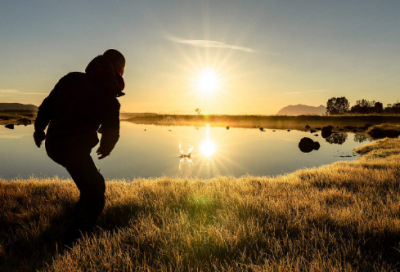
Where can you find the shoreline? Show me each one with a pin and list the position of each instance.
(305, 220)
(270, 122)
(339, 122)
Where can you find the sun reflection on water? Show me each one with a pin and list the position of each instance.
(204, 154)
(207, 148)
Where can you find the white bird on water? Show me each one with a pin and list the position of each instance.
(189, 151)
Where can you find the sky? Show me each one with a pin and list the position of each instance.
(264, 55)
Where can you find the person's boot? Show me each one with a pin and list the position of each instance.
(71, 237)
(82, 224)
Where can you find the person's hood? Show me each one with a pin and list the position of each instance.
(101, 71)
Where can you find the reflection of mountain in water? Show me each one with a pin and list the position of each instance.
(359, 138)
(337, 138)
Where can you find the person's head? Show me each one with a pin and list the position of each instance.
(117, 60)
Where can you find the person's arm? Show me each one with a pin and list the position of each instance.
(109, 130)
(45, 114)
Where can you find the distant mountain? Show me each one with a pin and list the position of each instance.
(17, 106)
(302, 109)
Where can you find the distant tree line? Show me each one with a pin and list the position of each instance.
(340, 105)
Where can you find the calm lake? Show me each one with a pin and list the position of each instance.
(153, 151)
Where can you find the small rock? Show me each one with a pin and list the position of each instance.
(10, 126)
(313, 131)
(307, 145)
(326, 132)
(288, 130)
(261, 129)
(227, 128)
(316, 135)
(308, 127)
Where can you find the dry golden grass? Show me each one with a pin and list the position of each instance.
(385, 126)
(340, 217)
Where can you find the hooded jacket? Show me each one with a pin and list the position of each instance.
(82, 102)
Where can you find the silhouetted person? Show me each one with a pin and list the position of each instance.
(76, 108)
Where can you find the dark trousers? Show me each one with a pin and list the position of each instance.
(74, 155)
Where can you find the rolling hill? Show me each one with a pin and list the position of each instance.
(17, 106)
(302, 109)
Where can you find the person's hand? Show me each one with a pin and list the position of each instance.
(38, 137)
(102, 153)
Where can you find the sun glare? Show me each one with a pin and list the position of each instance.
(208, 81)
(207, 148)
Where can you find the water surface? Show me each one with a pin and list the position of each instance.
(153, 151)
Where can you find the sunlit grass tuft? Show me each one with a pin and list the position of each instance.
(340, 217)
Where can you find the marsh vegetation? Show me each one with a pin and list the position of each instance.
(265, 121)
(13, 117)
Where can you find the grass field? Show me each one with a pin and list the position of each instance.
(340, 217)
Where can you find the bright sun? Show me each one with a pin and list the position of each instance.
(208, 81)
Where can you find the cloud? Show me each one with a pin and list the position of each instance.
(211, 44)
(10, 92)
(313, 91)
